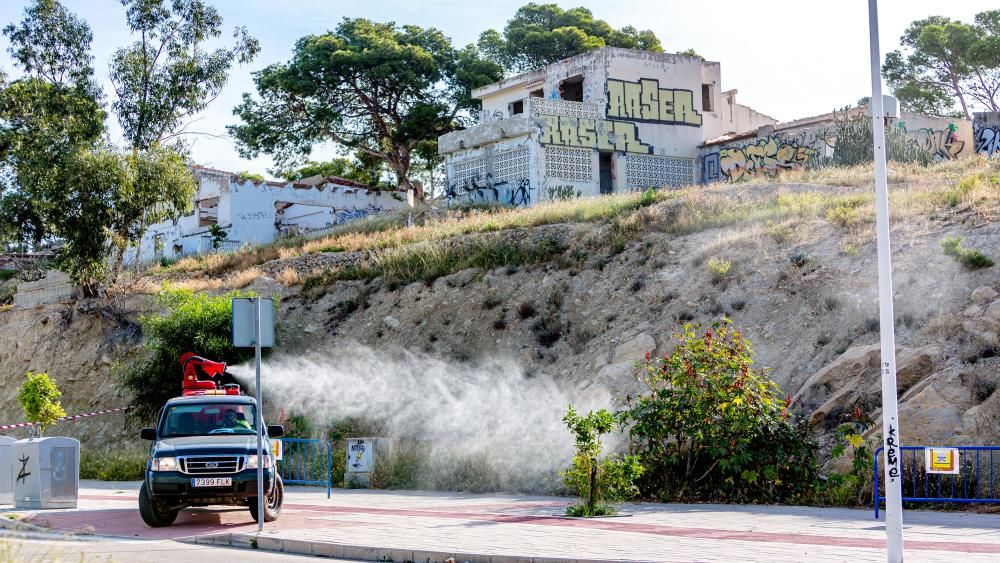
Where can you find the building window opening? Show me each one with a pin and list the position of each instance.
(517, 107)
(606, 170)
(536, 94)
(571, 89)
(706, 97)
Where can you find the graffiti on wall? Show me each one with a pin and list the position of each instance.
(589, 133)
(351, 213)
(940, 144)
(646, 101)
(986, 133)
(254, 216)
(763, 157)
(563, 193)
(483, 189)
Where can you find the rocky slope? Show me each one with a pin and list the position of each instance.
(802, 290)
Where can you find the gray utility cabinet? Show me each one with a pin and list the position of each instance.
(46, 472)
(361, 457)
(7, 470)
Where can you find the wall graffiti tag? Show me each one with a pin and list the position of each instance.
(255, 216)
(646, 101)
(986, 133)
(484, 189)
(563, 193)
(23, 473)
(764, 157)
(941, 144)
(351, 213)
(600, 134)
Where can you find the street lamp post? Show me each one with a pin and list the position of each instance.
(890, 410)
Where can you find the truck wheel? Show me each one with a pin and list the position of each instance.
(272, 502)
(154, 513)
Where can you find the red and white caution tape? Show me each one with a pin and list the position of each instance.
(70, 417)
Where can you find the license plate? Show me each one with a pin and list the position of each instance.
(212, 482)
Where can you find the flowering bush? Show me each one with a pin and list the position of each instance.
(711, 427)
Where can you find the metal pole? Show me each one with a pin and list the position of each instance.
(260, 425)
(890, 413)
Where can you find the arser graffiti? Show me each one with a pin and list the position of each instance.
(764, 157)
(646, 101)
(598, 134)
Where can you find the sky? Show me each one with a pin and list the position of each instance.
(787, 58)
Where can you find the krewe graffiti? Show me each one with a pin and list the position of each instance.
(589, 133)
(646, 101)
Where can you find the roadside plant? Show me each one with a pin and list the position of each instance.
(600, 483)
(719, 268)
(855, 487)
(39, 397)
(712, 428)
(970, 258)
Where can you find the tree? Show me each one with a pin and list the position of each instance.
(39, 397)
(49, 117)
(945, 60)
(540, 34)
(375, 88)
(363, 168)
(598, 482)
(163, 78)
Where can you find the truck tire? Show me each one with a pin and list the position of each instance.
(153, 512)
(272, 502)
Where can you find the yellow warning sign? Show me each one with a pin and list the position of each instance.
(941, 460)
(276, 449)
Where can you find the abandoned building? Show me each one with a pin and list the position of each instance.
(251, 213)
(607, 121)
(619, 120)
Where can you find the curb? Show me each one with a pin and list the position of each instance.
(22, 525)
(368, 553)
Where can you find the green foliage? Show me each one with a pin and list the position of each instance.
(598, 483)
(39, 397)
(855, 487)
(855, 143)
(970, 258)
(47, 118)
(112, 464)
(540, 34)
(218, 234)
(169, 75)
(967, 184)
(719, 268)
(363, 168)
(246, 176)
(193, 322)
(712, 428)
(376, 88)
(944, 61)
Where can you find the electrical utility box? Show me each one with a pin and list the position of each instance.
(46, 472)
(362, 454)
(7, 470)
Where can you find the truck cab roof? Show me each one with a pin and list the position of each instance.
(213, 399)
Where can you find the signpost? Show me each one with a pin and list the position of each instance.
(890, 412)
(253, 325)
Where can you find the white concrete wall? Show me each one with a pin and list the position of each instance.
(258, 213)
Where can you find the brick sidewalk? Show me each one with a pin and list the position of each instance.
(418, 526)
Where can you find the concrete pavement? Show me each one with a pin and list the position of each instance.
(416, 526)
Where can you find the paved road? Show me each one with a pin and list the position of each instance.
(31, 548)
(401, 524)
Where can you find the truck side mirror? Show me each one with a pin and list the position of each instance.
(148, 433)
(275, 430)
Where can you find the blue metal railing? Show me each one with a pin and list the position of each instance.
(306, 462)
(978, 479)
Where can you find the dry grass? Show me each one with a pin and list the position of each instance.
(7, 307)
(289, 276)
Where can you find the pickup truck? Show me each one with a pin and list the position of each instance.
(204, 452)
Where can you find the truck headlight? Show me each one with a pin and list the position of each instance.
(252, 461)
(164, 464)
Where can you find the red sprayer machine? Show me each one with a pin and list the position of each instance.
(202, 377)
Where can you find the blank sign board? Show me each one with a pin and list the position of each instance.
(244, 322)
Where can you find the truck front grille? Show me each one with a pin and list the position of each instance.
(212, 465)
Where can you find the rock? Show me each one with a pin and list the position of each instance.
(993, 311)
(983, 294)
(391, 322)
(310, 329)
(635, 349)
(972, 311)
(930, 419)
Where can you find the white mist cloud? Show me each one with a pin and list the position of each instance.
(487, 410)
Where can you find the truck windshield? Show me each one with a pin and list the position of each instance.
(205, 419)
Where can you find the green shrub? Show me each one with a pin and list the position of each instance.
(117, 465)
(954, 196)
(599, 483)
(711, 428)
(7, 275)
(39, 397)
(719, 268)
(198, 323)
(970, 258)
